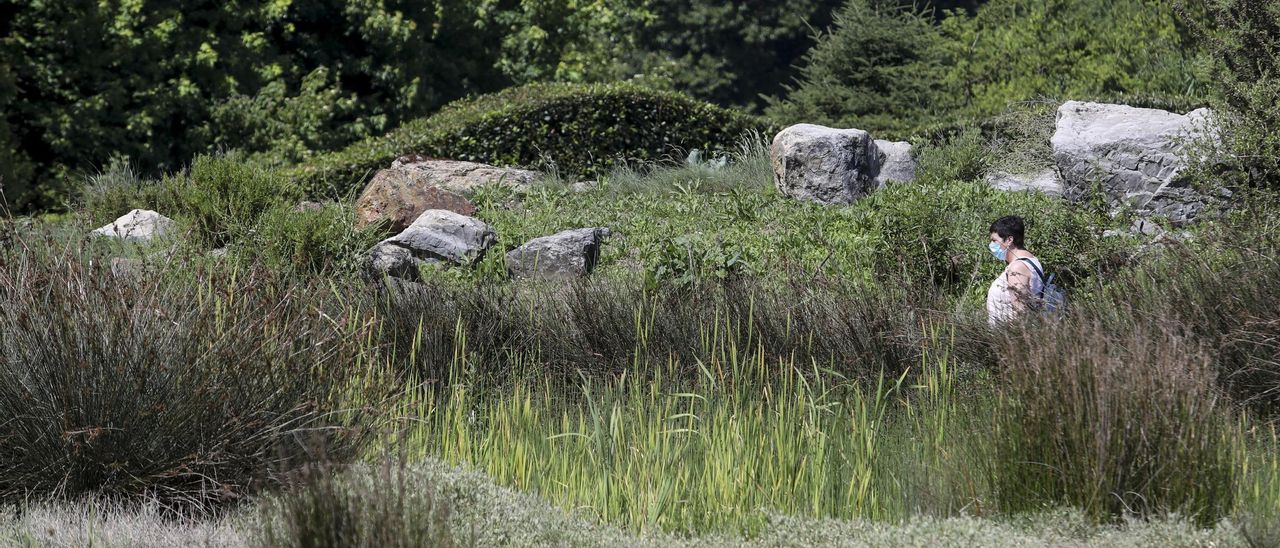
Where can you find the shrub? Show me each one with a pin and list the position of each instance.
(179, 383)
(334, 509)
(324, 240)
(581, 129)
(220, 198)
(937, 231)
(1113, 423)
(877, 68)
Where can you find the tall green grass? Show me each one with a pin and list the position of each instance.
(655, 451)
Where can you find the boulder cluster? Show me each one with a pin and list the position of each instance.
(1138, 157)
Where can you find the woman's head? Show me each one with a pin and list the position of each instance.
(1008, 232)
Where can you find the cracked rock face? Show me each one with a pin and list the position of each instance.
(568, 254)
(139, 225)
(437, 238)
(1137, 154)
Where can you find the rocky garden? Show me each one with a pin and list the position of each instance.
(571, 308)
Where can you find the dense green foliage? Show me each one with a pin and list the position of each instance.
(730, 53)
(887, 68)
(879, 68)
(578, 130)
(156, 82)
(1243, 36)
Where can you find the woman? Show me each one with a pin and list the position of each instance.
(1017, 288)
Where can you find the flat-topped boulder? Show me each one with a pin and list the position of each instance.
(139, 226)
(1046, 181)
(436, 238)
(567, 254)
(1139, 155)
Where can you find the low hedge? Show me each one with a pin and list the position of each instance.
(583, 129)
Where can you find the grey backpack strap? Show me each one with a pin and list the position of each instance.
(1039, 273)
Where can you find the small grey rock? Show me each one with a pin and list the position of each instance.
(437, 237)
(568, 254)
(897, 163)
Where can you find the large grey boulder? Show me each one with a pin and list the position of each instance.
(139, 225)
(437, 238)
(1045, 182)
(896, 163)
(1137, 154)
(825, 165)
(568, 254)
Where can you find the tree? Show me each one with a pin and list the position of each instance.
(878, 68)
(730, 53)
(1243, 39)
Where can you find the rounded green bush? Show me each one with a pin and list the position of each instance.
(581, 129)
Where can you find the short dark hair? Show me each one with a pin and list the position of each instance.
(1009, 226)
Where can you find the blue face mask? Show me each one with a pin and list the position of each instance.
(997, 251)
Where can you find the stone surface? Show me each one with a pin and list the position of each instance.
(584, 186)
(1046, 182)
(1137, 154)
(897, 163)
(438, 238)
(139, 225)
(568, 254)
(452, 175)
(399, 201)
(824, 165)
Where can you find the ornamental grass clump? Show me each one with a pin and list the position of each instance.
(170, 381)
(1128, 423)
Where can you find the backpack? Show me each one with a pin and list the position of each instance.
(1052, 298)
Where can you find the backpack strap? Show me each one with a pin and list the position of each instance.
(1039, 273)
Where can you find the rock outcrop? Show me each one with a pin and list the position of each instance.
(568, 254)
(436, 238)
(1137, 154)
(139, 225)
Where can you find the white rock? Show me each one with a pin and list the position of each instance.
(139, 225)
(1137, 154)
